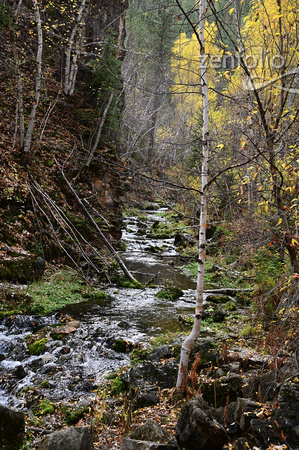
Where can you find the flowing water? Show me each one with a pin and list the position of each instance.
(75, 363)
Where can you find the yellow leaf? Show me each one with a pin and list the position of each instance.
(231, 11)
(279, 222)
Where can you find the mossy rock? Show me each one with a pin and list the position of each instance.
(21, 266)
(38, 347)
(122, 346)
(219, 299)
(170, 293)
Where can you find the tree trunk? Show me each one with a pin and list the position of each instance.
(38, 78)
(192, 338)
(71, 66)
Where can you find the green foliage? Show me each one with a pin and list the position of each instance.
(61, 289)
(249, 330)
(38, 347)
(44, 407)
(73, 414)
(117, 386)
(4, 18)
(138, 355)
(106, 74)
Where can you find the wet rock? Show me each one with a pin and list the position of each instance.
(77, 438)
(151, 431)
(218, 298)
(123, 324)
(65, 350)
(146, 396)
(163, 375)
(12, 428)
(2, 357)
(19, 372)
(198, 427)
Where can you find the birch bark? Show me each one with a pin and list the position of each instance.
(71, 65)
(38, 78)
(192, 338)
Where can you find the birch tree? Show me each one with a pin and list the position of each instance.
(74, 49)
(25, 136)
(38, 78)
(192, 338)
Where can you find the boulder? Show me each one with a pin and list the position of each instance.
(12, 428)
(245, 406)
(151, 431)
(209, 353)
(198, 427)
(77, 438)
(183, 239)
(163, 375)
(20, 266)
(146, 396)
(218, 391)
(163, 352)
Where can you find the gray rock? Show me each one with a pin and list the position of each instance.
(151, 431)
(164, 374)
(198, 427)
(19, 372)
(12, 427)
(146, 396)
(131, 444)
(163, 352)
(218, 391)
(245, 406)
(77, 438)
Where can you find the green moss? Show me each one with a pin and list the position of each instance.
(170, 293)
(117, 386)
(45, 384)
(138, 355)
(73, 414)
(38, 347)
(63, 288)
(44, 407)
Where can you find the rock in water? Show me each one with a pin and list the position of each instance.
(77, 438)
(198, 427)
(12, 428)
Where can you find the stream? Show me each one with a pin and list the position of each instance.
(74, 363)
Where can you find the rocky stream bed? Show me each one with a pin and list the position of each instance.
(64, 358)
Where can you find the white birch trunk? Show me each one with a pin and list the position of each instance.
(71, 66)
(38, 77)
(192, 338)
(20, 102)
